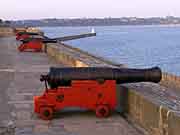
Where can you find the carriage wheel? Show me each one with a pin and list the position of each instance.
(102, 111)
(46, 113)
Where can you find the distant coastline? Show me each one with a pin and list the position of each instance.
(140, 25)
(53, 22)
(169, 20)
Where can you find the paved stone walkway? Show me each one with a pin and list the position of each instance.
(19, 82)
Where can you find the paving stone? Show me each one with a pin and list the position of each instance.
(25, 130)
(41, 128)
(23, 115)
(16, 97)
(7, 128)
(31, 123)
(21, 102)
(23, 106)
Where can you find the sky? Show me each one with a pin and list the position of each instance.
(39, 9)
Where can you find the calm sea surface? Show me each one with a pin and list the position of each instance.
(136, 46)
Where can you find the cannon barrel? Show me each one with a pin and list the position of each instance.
(45, 39)
(73, 37)
(56, 76)
(28, 33)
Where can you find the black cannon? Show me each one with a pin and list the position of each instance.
(92, 88)
(63, 76)
(35, 42)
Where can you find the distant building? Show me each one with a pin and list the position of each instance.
(98, 21)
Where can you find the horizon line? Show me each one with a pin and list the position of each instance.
(44, 18)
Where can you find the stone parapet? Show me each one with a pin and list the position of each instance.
(76, 57)
(149, 115)
(6, 31)
(170, 80)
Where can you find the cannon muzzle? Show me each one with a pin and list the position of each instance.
(122, 75)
